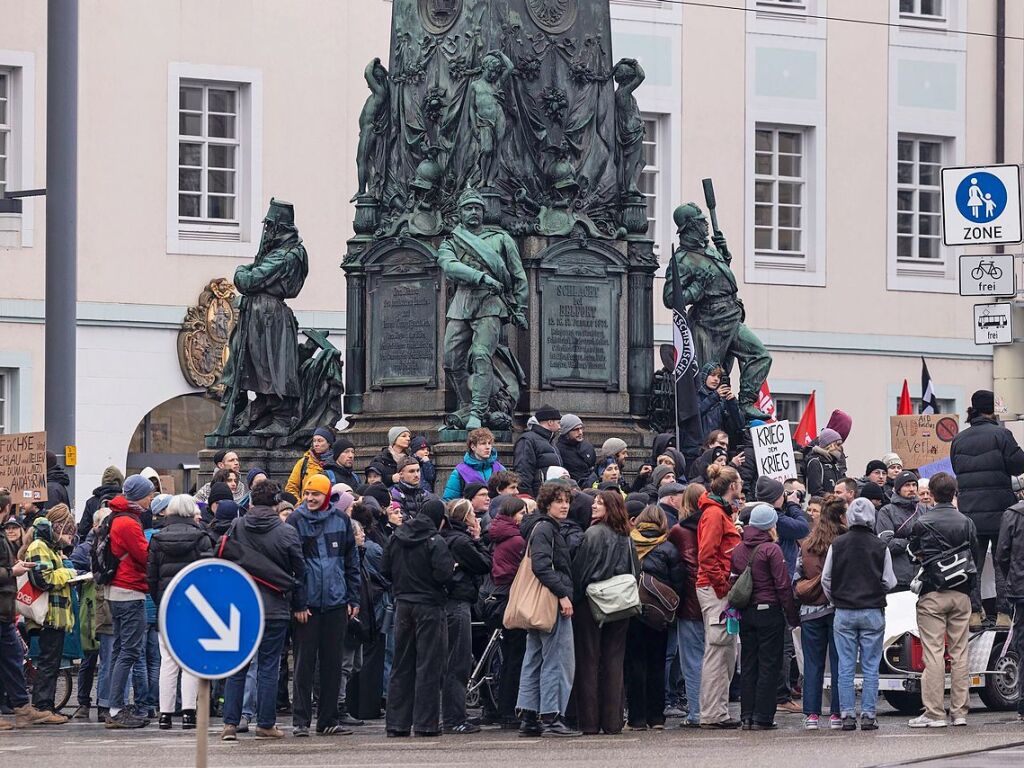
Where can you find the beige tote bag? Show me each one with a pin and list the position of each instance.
(531, 605)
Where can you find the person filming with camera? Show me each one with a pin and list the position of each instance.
(943, 541)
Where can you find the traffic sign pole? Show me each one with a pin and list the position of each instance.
(202, 722)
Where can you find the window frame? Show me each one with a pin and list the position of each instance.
(785, 258)
(917, 16)
(20, 172)
(939, 264)
(5, 401)
(658, 229)
(795, 7)
(6, 127)
(206, 142)
(204, 235)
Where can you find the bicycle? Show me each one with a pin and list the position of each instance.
(65, 682)
(986, 268)
(484, 678)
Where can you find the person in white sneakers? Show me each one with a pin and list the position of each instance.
(943, 541)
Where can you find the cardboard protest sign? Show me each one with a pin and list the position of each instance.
(773, 451)
(23, 466)
(923, 438)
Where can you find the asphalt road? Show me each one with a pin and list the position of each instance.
(89, 745)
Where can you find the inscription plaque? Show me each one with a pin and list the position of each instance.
(579, 330)
(403, 321)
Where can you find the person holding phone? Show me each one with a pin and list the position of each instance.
(719, 408)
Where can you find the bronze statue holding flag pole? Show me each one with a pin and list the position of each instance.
(716, 315)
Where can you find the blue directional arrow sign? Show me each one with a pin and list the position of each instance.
(211, 618)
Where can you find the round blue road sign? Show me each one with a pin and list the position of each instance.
(981, 197)
(211, 618)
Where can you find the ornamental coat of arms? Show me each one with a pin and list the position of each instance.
(205, 332)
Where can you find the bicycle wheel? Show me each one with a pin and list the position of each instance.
(62, 694)
(977, 273)
(995, 272)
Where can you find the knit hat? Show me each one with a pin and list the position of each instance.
(325, 433)
(433, 510)
(226, 510)
(318, 483)
(828, 436)
(159, 503)
(763, 517)
(841, 422)
(892, 458)
(418, 443)
(472, 489)
(51, 459)
(341, 445)
(288, 498)
(396, 432)
(871, 492)
(612, 446)
(634, 506)
(902, 479)
(378, 469)
(861, 512)
(659, 472)
(379, 492)
(341, 499)
(568, 423)
(548, 413)
(252, 473)
(218, 492)
(768, 489)
(61, 518)
(219, 456)
(112, 476)
(873, 465)
(671, 489)
(137, 488)
(556, 473)
(983, 401)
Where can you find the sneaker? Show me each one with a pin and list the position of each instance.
(674, 711)
(463, 728)
(102, 713)
(790, 707)
(977, 621)
(53, 718)
(28, 715)
(243, 724)
(124, 719)
(690, 724)
(82, 713)
(850, 723)
(229, 733)
(166, 722)
(269, 733)
(657, 727)
(811, 723)
(959, 721)
(348, 720)
(1003, 621)
(302, 732)
(926, 722)
(835, 723)
(868, 723)
(636, 726)
(334, 730)
(729, 724)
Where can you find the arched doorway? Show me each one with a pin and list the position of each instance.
(169, 438)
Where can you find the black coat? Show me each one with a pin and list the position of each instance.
(664, 564)
(939, 529)
(179, 542)
(603, 554)
(418, 563)
(1010, 552)
(984, 457)
(8, 582)
(57, 482)
(822, 472)
(578, 458)
(279, 542)
(532, 455)
(100, 495)
(472, 562)
(548, 552)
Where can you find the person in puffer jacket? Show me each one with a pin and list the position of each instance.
(893, 525)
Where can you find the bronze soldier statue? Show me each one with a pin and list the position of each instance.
(484, 263)
(716, 314)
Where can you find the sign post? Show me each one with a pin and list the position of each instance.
(23, 466)
(211, 620)
(981, 205)
(773, 450)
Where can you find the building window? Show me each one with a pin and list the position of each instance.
(208, 154)
(780, 183)
(653, 178)
(923, 10)
(6, 119)
(783, 5)
(5, 402)
(946, 405)
(919, 200)
(790, 408)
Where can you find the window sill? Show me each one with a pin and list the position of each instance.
(235, 250)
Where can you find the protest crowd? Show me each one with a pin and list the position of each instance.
(622, 592)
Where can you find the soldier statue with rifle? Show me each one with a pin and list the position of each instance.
(484, 264)
(716, 315)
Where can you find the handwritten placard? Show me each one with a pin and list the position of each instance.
(23, 466)
(773, 451)
(923, 439)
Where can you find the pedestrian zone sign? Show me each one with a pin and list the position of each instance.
(981, 205)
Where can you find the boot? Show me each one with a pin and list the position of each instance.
(977, 621)
(188, 719)
(165, 723)
(553, 726)
(29, 715)
(82, 713)
(531, 725)
(1003, 621)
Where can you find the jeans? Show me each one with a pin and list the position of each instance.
(318, 640)
(168, 685)
(549, 665)
(250, 699)
(690, 635)
(819, 640)
(1002, 605)
(269, 660)
(86, 678)
(12, 665)
(785, 693)
(858, 629)
(130, 641)
(351, 665)
(151, 698)
(51, 651)
(460, 663)
(421, 650)
(673, 669)
(106, 663)
(761, 643)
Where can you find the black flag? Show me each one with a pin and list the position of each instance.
(929, 403)
(688, 429)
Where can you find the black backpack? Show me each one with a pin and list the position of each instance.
(104, 564)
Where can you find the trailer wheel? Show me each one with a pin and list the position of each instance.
(1001, 691)
(905, 702)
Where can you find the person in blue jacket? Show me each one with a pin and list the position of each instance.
(478, 464)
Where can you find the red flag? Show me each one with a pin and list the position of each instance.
(906, 408)
(765, 403)
(807, 429)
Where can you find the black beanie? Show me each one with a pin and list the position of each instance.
(983, 401)
(219, 492)
(872, 492)
(341, 445)
(472, 489)
(433, 510)
(873, 465)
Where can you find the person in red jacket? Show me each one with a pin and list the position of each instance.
(126, 594)
(689, 622)
(509, 548)
(717, 537)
